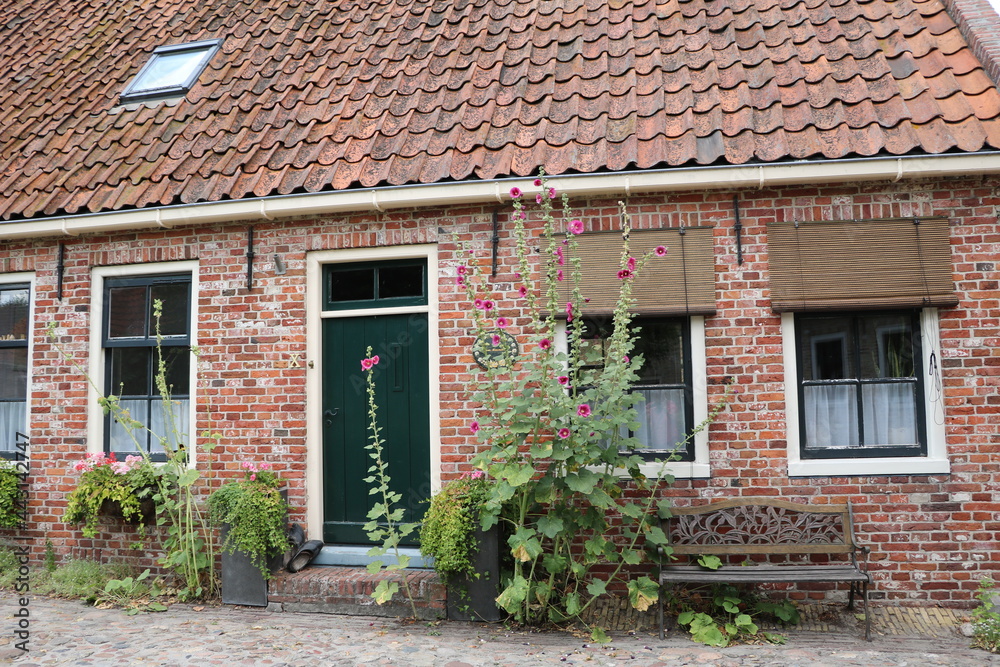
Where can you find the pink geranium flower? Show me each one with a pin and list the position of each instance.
(575, 227)
(583, 410)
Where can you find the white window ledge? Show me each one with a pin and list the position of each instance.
(868, 467)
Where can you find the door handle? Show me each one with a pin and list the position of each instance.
(329, 415)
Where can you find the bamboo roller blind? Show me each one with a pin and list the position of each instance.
(681, 283)
(860, 264)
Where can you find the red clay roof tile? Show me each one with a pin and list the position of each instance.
(311, 95)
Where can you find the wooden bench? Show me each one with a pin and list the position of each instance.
(759, 529)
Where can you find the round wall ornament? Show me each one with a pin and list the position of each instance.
(495, 349)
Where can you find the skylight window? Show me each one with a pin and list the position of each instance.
(171, 71)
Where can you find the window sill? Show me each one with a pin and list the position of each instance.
(679, 469)
(868, 467)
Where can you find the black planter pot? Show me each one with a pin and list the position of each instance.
(242, 582)
(472, 598)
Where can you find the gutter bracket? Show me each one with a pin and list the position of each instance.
(899, 170)
(65, 230)
(760, 185)
(375, 202)
(263, 212)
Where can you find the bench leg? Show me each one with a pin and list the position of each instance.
(850, 599)
(659, 610)
(868, 616)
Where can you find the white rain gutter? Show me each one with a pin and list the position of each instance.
(496, 191)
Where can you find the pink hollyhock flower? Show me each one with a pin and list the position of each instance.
(563, 379)
(544, 344)
(522, 291)
(583, 410)
(474, 427)
(460, 280)
(488, 305)
(366, 364)
(515, 193)
(660, 251)
(375, 360)
(478, 303)
(625, 359)
(462, 270)
(630, 264)
(524, 216)
(569, 311)
(575, 227)
(495, 340)
(560, 259)
(559, 274)
(624, 274)
(538, 199)
(501, 322)
(564, 433)
(538, 182)
(552, 193)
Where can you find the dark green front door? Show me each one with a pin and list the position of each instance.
(401, 393)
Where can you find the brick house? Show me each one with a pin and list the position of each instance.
(295, 180)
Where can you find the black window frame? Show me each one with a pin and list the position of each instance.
(11, 453)
(863, 450)
(686, 454)
(133, 93)
(146, 341)
(378, 301)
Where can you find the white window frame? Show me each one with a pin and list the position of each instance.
(21, 278)
(935, 462)
(699, 467)
(95, 415)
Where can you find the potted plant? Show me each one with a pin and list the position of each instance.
(10, 480)
(466, 557)
(252, 512)
(108, 487)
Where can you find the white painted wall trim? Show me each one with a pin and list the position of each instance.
(21, 278)
(315, 261)
(889, 169)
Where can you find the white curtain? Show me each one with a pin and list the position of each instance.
(12, 421)
(890, 413)
(831, 413)
(139, 409)
(662, 418)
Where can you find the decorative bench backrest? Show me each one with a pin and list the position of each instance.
(760, 526)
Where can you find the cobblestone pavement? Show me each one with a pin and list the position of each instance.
(70, 633)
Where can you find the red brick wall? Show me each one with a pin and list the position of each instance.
(933, 536)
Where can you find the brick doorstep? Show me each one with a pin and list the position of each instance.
(348, 591)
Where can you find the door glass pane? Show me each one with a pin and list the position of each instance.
(14, 314)
(831, 415)
(127, 312)
(130, 371)
(890, 413)
(352, 285)
(174, 318)
(400, 281)
(13, 373)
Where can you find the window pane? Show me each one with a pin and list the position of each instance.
(831, 415)
(662, 419)
(177, 363)
(169, 69)
(171, 425)
(121, 437)
(890, 413)
(352, 285)
(130, 371)
(827, 345)
(662, 348)
(887, 346)
(13, 420)
(13, 373)
(127, 312)
(176, 307)
(14, 314)
(400, 281)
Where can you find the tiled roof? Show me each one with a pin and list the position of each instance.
(310, 95)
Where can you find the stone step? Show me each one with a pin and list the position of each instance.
(348, 590)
